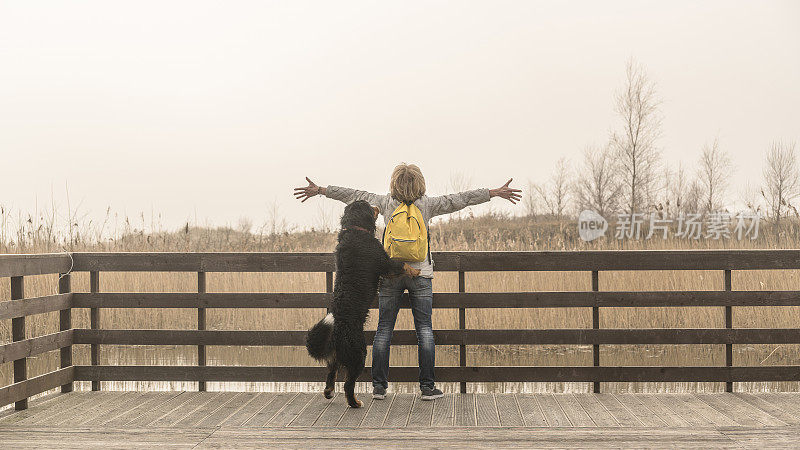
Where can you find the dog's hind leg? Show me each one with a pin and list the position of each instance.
(354, 369)
(351, 351)
(330, 382)
(353, 360)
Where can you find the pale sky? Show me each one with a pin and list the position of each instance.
(218, 109)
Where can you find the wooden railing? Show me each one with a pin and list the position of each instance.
(17, 267)
(727, 261)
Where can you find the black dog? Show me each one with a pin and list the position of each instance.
(338, 339)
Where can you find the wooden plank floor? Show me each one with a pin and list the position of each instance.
(231, 419)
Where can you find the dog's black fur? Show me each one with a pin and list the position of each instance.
(360, 261)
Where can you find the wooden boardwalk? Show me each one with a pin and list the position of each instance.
(248, 419)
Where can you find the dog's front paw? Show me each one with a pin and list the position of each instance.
(328, 393)
(356, 404)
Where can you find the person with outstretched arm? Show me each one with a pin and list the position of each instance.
(407, 200)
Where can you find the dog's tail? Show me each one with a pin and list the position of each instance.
(318, 339)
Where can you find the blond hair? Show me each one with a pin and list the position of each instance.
(407, 183)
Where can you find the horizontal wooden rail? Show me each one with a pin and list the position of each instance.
(451, 261)
(604, 260)
(196, 300)
(36, 385)
(35, 346)
(564, 299)
(205, 262)
(36, 305)
(444, 374)
(451, 337)
(20, 265)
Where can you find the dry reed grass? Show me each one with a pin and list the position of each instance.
(479, 233)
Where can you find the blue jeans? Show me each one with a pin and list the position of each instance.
(420, 291)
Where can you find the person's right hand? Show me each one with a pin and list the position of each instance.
(306, 192)
(508, 193)
(410, 271)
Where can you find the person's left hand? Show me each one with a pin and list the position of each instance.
(409, 271)
(510, 194)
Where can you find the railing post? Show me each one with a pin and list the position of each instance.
(596, 326)
(729, 325)
(462, 322)
(65, 323)
(201, 325)
(328, 282)
(94, 322)
(18, 334)
(328, 287)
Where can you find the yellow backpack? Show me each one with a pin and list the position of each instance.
(405, 236)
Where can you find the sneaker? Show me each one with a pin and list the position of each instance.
(431, 394)
(379, 392)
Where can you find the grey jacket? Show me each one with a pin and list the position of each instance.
(429, 206)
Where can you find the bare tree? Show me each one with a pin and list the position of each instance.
(561, 186)
(544, 193)
(459, 182)
(661, 193)
(678, 191)
(751, 197)
(529, 199)
(244, 225)
(781, 179)
(275, 223)
(635, 145)
(598, 186)
(694, 197)
(714, 168)
(556, 194)
(664, 183)
(326, 216)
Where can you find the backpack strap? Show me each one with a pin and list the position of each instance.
(429, 245)
(427, 231)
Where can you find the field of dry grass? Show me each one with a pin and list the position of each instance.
(480, 233)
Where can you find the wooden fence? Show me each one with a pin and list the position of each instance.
(18, 266)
